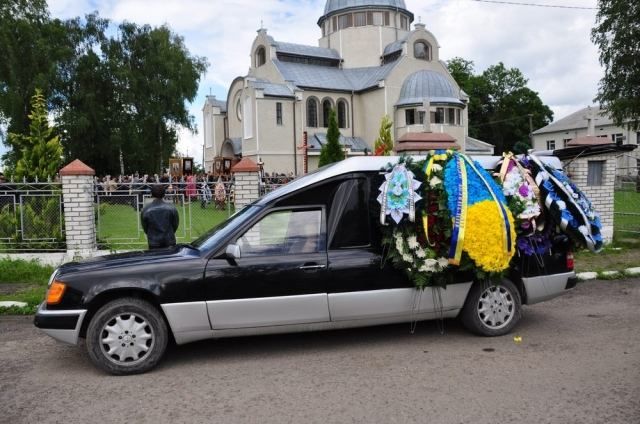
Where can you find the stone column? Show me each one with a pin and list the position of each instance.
(79, 215)
(247, 182)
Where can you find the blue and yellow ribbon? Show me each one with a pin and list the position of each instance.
(460, 214)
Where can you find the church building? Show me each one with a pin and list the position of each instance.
(368, 63)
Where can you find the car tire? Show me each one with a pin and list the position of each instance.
(126, 336)
(492, 309)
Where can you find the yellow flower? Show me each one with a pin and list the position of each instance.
(484, 238)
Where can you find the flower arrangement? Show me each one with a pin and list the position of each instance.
(451, 189)
(568, 206)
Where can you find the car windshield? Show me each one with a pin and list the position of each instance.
(212, 237)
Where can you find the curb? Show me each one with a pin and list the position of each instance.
(608, 275)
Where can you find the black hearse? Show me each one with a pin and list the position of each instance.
(304, 257)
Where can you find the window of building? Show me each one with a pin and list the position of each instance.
(565, 141)
(458, 117)
(375, 18)
(247, 110)
(617, 138)
(638, 137)
(359, 19)
(439, 118)
(261, 57)
(239, 109)
(342, 114)
(421, 115)
(334, 23)
(451, 116)
(410, 116)
(421, 50)
(404, 22)
(345, 21)
(386, 19)
(326, 110)
(595, 172)
(312, 113)
(551, 144)
(278, 113)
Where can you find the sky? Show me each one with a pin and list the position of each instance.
(550, 45)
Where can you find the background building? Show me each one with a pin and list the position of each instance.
(590, 126)
(368, 64)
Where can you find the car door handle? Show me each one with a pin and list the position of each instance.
(307, 267)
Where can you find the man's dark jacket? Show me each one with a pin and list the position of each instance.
(160, 222)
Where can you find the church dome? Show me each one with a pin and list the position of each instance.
(333, 7)
(428, 85)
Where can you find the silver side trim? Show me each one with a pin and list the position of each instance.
(268, 311)
(332, 325)
(546, 287)
(186, 316)
(65, 336)
(375, 304)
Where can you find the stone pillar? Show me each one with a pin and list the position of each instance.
(79, 215)
(247, 182)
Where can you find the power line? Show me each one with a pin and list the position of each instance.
(557, 6)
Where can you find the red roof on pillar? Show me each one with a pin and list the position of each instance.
(245, 165)
(77, 167)
(421, 141)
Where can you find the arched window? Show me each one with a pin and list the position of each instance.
(326, 109)
(343, 121)
(312, 112)
(261, 56)
(422, 50)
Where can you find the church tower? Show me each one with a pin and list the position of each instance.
(359, 30)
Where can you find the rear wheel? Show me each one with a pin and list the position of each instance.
(126, 336)
(492, 309)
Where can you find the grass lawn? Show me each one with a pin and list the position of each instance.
(23, 281)
(627, 227)
(119, 226)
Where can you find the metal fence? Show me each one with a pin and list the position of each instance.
(201, 207)
(627, 208)
(31, 217)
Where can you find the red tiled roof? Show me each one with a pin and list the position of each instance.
(77, 167)
(245, 165)
(588, 140)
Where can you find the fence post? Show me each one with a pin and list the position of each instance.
(79, 216)
(247, 182)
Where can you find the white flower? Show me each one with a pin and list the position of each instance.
(421, 253)
(399, 246)
(407, 258)
(561, 204)
(435, 167)
(431, 263)
(412, 241)
(434, 181)
(443, 262)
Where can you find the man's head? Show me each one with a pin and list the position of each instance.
(157, 191)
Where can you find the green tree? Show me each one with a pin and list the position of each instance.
(40, 152)
(384, 143)
(332, 151)
(617, 36)
(501, 106)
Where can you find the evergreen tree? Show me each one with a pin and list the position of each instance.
(384, 143)
(40, 152)
(332, 151)
(617, 35)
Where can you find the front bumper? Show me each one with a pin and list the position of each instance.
(63, 325)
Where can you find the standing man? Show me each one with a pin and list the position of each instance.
(159, 220)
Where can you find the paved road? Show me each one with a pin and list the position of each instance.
(578, 362)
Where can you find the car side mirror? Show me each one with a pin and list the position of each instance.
(233, 253)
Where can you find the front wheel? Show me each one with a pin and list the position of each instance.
(492, 309)
(126, 336)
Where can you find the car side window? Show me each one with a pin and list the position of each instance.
(349, 222)
(284, 232)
